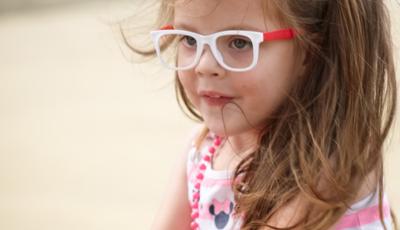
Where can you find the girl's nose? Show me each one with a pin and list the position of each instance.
(208, 65)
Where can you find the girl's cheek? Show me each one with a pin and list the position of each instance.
(184, 80)
(189, 87)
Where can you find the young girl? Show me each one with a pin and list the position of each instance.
(295, 99)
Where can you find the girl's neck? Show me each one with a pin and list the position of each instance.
(241, 144)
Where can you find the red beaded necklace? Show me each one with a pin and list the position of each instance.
(205, 160)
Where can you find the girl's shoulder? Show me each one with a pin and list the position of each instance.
(365, 214)
(198, 138)
(193, 136)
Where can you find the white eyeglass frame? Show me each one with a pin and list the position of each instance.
(211, 40)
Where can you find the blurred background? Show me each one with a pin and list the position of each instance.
(89, 136)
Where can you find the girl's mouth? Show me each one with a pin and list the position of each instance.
(217, 101)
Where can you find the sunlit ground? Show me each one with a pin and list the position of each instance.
(87, 139)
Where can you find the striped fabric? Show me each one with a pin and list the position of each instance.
(365, 215)
(217, 202)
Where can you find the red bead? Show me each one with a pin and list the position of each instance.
(194, 225)
(195, 215)
(203, 167)
(207, 158)
(196, 196)
(197, 186)
(195, 205)
(217, 142)
(211, 150)
(200, 176)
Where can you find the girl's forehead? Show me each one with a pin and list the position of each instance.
(208, 16)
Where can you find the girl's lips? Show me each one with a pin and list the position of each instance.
(220, 101)
(210, 93)
(214, 98)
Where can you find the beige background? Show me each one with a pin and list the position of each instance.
(87, 139)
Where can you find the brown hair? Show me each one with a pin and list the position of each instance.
(329, 134)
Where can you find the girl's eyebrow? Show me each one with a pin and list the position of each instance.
(184, 26)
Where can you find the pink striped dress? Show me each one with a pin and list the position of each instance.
(217, 202)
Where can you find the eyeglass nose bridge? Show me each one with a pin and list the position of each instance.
(211, 41)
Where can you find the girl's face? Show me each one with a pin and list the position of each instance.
(255, 93)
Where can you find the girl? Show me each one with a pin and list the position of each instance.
(295, 98)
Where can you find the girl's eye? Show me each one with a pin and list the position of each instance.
(189, 41)
(240, 43)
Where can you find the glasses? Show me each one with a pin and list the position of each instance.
(234, 50)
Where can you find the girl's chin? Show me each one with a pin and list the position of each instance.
(230, 128)
(215, 127)
(223, 131)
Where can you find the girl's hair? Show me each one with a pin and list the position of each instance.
(329, 134)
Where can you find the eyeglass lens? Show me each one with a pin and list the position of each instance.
(180, 51)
